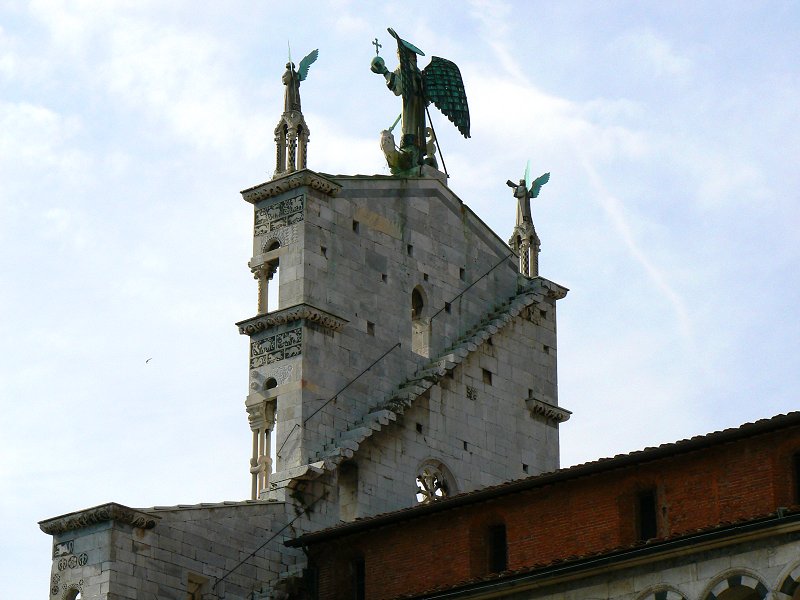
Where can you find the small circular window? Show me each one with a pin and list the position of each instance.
(434, 482)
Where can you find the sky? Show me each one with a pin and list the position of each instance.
(127, 129)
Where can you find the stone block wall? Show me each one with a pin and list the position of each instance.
(359, 254)
(105, 555)
(481, 432)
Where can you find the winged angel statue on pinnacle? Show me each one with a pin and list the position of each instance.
(292, 79)
(440, 82)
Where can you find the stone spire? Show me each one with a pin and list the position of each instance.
(291, 133)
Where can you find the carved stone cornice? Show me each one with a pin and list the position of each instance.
(98, 514)
(547, 288)
(298, 312)
(291, 181)
(547, 410)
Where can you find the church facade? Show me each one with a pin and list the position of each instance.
(408, 360)
(403, 414)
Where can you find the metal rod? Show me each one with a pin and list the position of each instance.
(436, 141)
(278, 451)
(272, 537)
(349, 383)
(500, 262)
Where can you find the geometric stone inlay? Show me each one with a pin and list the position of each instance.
(283, 213)
(663, 593)
(734, 581)
(790, 584)
(275, 347)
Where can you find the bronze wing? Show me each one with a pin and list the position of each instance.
(302, 71)
(444, 87)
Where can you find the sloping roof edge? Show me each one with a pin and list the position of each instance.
(583, 470)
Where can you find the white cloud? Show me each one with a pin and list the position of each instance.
(493, 17)
(32, 133)
(622, 223)
(653, 54)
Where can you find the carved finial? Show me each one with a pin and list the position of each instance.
(291, 134)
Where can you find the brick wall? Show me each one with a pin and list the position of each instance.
(699, 489)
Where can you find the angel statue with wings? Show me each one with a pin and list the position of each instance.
(292, 79)
(291, 134)
(525, 191)
(524, 240)
(440, 82)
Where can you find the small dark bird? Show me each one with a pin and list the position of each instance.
(148, 360)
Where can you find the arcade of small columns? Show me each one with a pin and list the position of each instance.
(291, 141)
(526, 244)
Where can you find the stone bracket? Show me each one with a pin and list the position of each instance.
(547, 410)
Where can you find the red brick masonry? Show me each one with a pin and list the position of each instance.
(700, 483)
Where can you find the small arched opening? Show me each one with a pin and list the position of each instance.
(420, 324)
(270, 383)
(488, 545)
(434, 482)
(268, 296)
(738, 586)
(348, 491)
(417, 303)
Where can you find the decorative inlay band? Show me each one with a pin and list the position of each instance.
(276, 347)
(290, 182)
(105, 512)
(283, 213)
(289, 315)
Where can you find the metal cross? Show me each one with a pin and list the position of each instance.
(377, 46)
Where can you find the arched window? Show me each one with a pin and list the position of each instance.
(420, 326)
(417, 303)
(497, 548)
(738, 586)
(488, 544)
